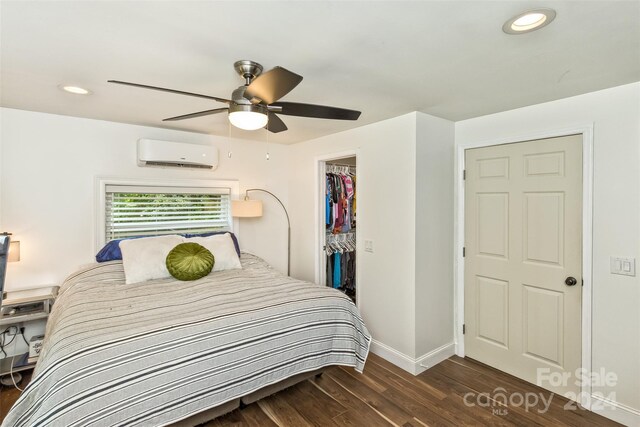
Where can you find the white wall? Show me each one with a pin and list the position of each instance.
(405, 206)
(48, 170)
(615, 115)
(385, 214)
(434, 228)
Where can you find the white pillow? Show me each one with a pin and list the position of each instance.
(146, 258)
(222, 248)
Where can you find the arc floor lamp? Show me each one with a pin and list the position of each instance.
(248, 208)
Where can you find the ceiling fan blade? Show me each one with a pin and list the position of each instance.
(198, 114)
(179, 92)
(272, 85)
(275, 124)
(316, 111)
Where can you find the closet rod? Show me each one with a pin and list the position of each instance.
(341, 164)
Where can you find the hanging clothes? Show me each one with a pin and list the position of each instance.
(340, 219)
(350, 272)
(353, 201)
(348, 185)
(341, 263)
(327, 214)
(340, 202)
(341, 270)
(337, 264)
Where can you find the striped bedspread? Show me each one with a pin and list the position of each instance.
(153, 353)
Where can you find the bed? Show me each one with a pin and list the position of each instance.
(164, 351)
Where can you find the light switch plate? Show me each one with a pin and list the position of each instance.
(624, 266)
(368, 246)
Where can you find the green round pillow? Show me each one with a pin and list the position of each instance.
(189, 261)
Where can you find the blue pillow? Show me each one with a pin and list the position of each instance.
(111, 251)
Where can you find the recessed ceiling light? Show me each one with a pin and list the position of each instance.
(75, 90)
(529, 21)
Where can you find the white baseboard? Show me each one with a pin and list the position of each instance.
(615, 411)
(408, 363)
(392, 355)
(434, 357)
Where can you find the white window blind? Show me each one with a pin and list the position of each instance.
(152, 210)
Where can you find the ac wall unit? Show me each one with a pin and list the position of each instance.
(153, 152)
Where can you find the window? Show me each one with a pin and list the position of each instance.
(148, 210)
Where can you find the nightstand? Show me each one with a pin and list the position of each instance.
(24, 306)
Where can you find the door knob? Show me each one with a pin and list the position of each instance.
(570, 281)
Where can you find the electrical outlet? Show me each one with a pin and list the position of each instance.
(11, 331)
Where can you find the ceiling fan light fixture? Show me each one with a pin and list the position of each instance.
(248, 117)
(528, 21)
(76, 90)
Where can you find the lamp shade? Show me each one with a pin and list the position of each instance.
(246, 208)
(14, 251)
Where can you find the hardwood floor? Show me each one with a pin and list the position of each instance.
(8, 395)
(456, 392)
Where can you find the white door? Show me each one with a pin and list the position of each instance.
(523, 246)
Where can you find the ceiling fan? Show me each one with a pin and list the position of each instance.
(254, 105)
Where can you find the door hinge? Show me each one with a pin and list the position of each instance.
(464, 174)
(464, 329)
(464, 252)
(581, 282)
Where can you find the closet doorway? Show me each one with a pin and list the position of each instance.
(337, 223)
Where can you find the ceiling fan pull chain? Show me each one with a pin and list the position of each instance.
(267, 140)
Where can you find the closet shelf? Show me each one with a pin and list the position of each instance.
(331, 233)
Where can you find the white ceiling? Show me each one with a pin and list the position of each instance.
(385, 58)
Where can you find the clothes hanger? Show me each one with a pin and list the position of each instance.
(343, 243)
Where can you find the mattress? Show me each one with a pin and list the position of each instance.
(156, 352)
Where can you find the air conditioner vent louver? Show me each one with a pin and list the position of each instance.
(178, 165)
(176, 154)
